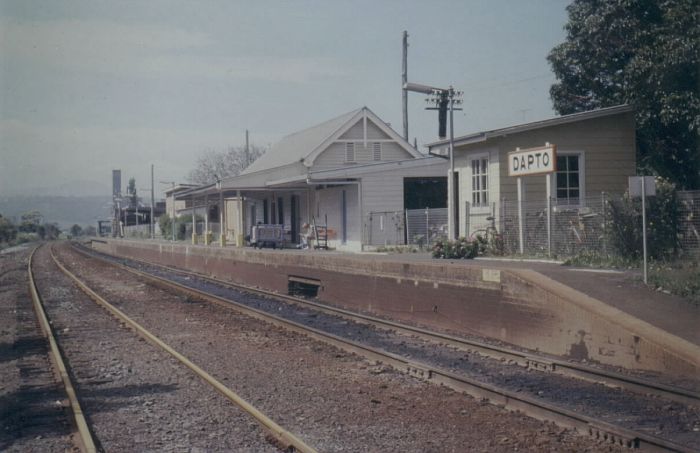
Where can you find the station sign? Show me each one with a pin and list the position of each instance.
(532, 161)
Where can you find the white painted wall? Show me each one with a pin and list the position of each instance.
(328, 202)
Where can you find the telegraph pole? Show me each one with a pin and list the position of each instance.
(444, 100)
(153, 198)
(247, 150)
(404, 81)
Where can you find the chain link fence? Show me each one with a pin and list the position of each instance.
(689, 220)
(420, 227)
(426, 226)
(604, 224)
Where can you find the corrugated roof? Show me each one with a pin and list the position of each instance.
(297, 146)
(564, 119)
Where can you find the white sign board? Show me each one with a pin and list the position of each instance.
(635, 186)
(532, 161)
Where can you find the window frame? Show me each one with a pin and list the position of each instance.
(483, 207)
(581, 180)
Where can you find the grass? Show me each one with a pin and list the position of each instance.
(681, 278)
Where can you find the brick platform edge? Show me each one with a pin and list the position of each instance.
(517, 306)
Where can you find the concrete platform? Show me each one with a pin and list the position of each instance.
(605, 317)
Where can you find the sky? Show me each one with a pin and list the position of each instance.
(91, 86)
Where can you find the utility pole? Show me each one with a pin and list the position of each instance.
(404, 81)
(247, 150)
(444, 100)
(153, 198)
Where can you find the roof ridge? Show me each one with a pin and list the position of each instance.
(348, 114)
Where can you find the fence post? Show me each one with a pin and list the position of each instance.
(549, 226)
(521, 223)
(603, 207)
(408, 231)
(502, 219)
(427, 226)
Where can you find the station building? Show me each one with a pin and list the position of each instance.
(352, 174)
(596, 153)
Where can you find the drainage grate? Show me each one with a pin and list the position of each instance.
(303, 286)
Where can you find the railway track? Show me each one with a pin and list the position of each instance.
(509, 399)
(85, 439)
(280, 436)
(528, 360)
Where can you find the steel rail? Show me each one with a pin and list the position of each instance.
(529, 360)
(87, 442)
(501, 397)
(281, 435)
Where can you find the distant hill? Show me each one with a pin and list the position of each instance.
(63, 210)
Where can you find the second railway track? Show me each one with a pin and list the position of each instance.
(129, 393)
(618, 417)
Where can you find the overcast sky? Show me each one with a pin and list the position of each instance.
(90, 86)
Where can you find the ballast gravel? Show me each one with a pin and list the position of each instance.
(333, 400)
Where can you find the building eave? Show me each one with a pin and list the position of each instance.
(518, 128)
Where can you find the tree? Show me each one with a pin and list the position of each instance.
(8, 230)
(30, 221)
(76, 230)
(229, 162)
(49, 231)
(90, 231)
(645, 53)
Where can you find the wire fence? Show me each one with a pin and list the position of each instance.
(141, 231)
(604, 224)
(426, 226)
(689, 220)
(421, 227)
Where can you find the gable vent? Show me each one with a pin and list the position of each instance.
(377, 151)
(350, 152)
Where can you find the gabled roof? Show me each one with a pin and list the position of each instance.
(564, 119)
(295, 147)
(304, 146)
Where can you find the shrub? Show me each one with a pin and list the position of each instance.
(462, 248)
(625, 226)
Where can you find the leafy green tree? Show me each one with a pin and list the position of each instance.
(76, 230)
(8, 230)
(90, 231)
(645, 53)
(51, 231)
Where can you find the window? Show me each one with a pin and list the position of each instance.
(568, 179)
(377, 151)
(480, 181)
(349, 152)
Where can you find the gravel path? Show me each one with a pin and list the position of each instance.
(137, 398)
(32, 412)
(332, 400)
